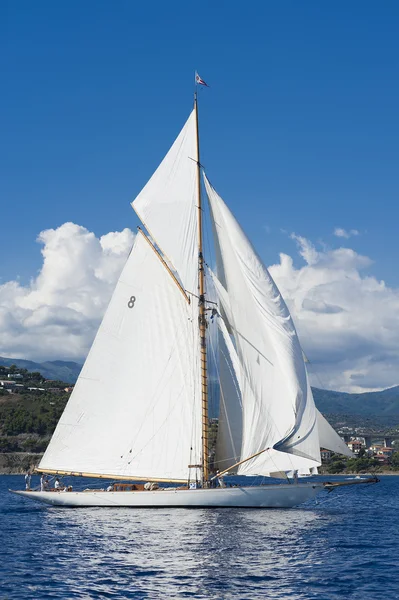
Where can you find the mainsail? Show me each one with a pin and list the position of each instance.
(135, 410)
(279, 416)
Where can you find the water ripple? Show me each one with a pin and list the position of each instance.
(345, 546)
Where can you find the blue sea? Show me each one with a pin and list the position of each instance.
(344, 546)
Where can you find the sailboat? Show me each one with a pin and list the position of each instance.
(138, 414)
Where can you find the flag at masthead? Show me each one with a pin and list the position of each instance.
(200, 81)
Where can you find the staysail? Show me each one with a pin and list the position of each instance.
(229, 439)
(278, 408)
(135, 410)
(230, 429)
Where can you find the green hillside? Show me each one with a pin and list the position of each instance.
(61, 370)
(30, 407)
(369, 404)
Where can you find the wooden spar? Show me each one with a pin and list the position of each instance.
(239, 463)
(107, 476)
(165, 265)
(153, 238)
(201, 316)
(331, 485)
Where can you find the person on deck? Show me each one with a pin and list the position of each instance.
(220, 480)
(57, 484)
(44, 483)
(27, 480)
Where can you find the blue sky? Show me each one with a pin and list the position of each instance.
(299, 128)
(299, 134)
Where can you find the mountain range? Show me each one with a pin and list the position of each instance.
(384, 403)
(66, 371)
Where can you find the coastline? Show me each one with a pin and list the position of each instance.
(360, 474)
(17, 463)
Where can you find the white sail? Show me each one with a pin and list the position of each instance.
(136, 410)
(270, 463)
(329, 438)
(230, 434)
(167, 206)
(278, 410)
(229, 438)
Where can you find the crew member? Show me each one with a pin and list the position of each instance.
(27, 480)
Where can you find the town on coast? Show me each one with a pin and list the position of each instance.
(31, 405)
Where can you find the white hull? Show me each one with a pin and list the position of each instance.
(268, 496)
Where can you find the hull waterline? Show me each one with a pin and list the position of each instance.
(268, 496)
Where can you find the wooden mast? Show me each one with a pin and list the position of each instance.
(201, 316)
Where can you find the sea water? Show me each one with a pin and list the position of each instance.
(344, 546)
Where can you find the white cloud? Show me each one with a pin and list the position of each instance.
(58, 313)
(346, 319)
(306, 249)
(339, 232)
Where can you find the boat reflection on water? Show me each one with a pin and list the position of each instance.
(141, 552)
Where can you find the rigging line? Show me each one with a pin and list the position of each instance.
(304, 328)
(238, 337)
(270, 419)
(197, 162)
(224, 401)
(236, 452)
(240, 463)
(239, 340)
(315, 374)
(279, 470)
(196, 296)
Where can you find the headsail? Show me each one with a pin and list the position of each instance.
(329, 438)
(278, 410)
(135, 410)
(229, 439)
(167, 205)
(272, 462)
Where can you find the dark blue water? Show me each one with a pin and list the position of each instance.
(346, 546)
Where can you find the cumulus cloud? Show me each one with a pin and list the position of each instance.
(343, 233)
(346, 318)
(58, 313)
